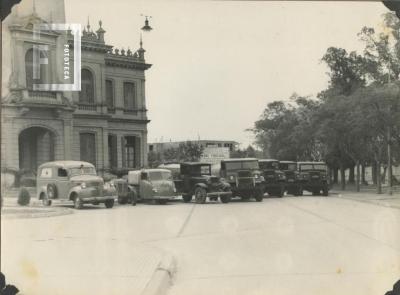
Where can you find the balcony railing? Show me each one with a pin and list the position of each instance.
(87, 106)
(42, 94)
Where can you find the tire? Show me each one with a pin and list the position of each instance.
(325, 192)
(281, 192)
(109, 203)
(259, 196)
(225, 199)
(186, 198)
(78, 204)
(134, 198)
(122, 200)
(45, 200)
(244, 197)
(51, 191)
(200, 195)
(315, 193)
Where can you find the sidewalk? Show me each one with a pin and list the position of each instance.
(384, 199)
(11, 209)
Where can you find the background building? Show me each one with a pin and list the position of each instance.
(105, 123)
(214, 150)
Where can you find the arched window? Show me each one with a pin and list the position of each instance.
(29, 69)
(86, 95)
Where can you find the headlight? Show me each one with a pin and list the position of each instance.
(154, 190)
(231, 177)
(256, 176)
(83, 185)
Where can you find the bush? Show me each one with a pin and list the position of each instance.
(24, 198)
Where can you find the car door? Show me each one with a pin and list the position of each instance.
(63, 184)
(145, 186)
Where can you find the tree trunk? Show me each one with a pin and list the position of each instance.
(383, 176)
(335, 175)
(342, 177)
(378, 178)
(358, 176)
(374, 178)
(351, 175)
(363, 181)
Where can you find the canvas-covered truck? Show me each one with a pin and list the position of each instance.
(154, 185)
(274, 178)
(244, 177)
(195, 179)
(292, 181)
(314, 177)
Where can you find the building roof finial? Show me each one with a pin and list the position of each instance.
(34, 7)
(88, 24)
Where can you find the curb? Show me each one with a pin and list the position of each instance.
(161, 279)
(35, 213)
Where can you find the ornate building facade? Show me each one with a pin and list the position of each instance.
(105, 123)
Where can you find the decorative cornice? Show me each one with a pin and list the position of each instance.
(126, 62)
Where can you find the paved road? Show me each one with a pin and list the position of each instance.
(293, 245)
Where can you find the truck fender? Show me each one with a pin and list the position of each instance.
(76, 190)
(42, 190)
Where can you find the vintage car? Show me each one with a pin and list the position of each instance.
(147, 184)
(74, 181)
(274, 179)
(195, 179)
(245, 178)
(313, 177)
(292, 182)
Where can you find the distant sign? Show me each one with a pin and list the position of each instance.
(214, 154)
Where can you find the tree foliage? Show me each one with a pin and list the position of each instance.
(354, 119)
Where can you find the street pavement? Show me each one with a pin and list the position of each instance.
(290, 245)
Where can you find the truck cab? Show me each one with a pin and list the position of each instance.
(292, 181)
(244, 177)
(274, 178)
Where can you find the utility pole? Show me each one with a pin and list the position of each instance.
(389, 152)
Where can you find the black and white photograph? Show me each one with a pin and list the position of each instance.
(205, 147)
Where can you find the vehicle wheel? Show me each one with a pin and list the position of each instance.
(122, 200)
(109, 203)
(133, 198)
(51, 191)
(281, 192)
(225, 199)
(259, 196)
(187, 198)
(78, 204)
(325, 191)
(245, 197)
(162, 202)
(45, 200)
(315, 193)
(200, 195)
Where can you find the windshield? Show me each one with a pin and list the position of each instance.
(319, 167)
(252, 165)
(82, 171)
(269, 165)
(288, 166)
(160, 175)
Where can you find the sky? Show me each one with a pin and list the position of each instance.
(217, 64)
